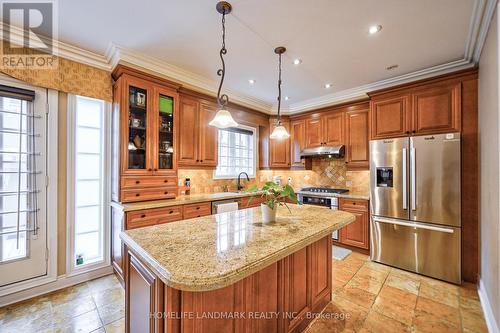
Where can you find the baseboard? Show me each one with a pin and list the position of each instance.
(487, 310)
(61, 282)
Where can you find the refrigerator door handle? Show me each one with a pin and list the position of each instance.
(405, 170)
(413, 180)
(412, 225)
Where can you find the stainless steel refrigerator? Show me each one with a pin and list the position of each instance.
(415, 204)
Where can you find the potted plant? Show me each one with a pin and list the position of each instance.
(275, 195)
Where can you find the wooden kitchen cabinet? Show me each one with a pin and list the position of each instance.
(390, 116)
(144, 137)
(325, 130)
(146, 290)
(426, 109)
(198, 140)
(333, 129)
(357, 143)
(436, 109)
(297, 142)
(279, 149)
(314, 129)
(355, 234)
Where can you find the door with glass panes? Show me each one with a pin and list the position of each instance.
(23, 226)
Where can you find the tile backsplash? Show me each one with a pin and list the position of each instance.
(325, 172)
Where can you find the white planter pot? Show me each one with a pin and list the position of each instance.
(268, 214)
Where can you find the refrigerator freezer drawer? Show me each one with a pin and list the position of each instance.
(421, 248)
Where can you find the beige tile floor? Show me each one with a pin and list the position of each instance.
(95, 306)
(367, 297)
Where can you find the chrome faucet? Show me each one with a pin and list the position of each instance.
(238, 184)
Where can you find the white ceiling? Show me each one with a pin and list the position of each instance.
(330, 36)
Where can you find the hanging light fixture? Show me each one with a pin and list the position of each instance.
(279, 131)
(223, 118)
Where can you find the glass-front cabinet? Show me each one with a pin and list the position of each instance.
(150, 116)
(138, 129)
(165, 159)
(144, 140)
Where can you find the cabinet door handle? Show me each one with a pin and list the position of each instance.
(407, 132)
(197, 160)
(150, 169)
(201, 161)
(414, 131)
(156, 169)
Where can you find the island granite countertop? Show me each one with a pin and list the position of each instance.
(215, 251)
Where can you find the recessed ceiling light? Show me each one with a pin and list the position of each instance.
(328, 85)
(251, 81)
(374, 29)
(392, 67)
(287, 98)
(297, 61)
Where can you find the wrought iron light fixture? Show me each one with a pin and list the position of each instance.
(279, 131)
(223, 118)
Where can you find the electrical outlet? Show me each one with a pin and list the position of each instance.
(289, 180)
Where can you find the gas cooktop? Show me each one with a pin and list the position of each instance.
(324, 190)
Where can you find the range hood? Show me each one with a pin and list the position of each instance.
(324, 152)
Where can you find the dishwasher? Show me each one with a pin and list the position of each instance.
(224, 206)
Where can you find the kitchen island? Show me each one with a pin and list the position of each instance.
(231, 273)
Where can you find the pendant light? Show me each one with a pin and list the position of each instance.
(279, 131)
(223, 118)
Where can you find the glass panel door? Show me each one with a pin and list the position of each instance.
(166, 132)
(137, 125)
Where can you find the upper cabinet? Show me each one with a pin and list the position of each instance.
(198, 140)
(144, 138)
(279, 149)
(333, 129)
(390, 116)
(325, 130)
(297, 142)
(357, 152)
(437, 109)
(426, 109)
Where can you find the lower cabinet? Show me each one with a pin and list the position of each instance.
(143, 297)
(356, 234)
(284, 297)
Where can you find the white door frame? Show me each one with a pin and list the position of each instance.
(51, 210)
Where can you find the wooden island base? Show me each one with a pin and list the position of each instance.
(283, 297)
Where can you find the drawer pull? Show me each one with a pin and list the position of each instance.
(198, 207)
(143, 215)
(165, 181)
(137, 181)
(137, 194)
(354, 203)
(171, 212)
(165, 192)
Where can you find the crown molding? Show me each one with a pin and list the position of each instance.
(362, 91)
(478, 29)
(60, 49)
(118, 54)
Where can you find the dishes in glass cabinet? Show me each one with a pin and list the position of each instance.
(138, 141)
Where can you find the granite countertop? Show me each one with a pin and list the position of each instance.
(348, 195)
(184, 200)
(215, 251)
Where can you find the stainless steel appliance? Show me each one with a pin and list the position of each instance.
(321, 196)
(415, 204)
(324, 151)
